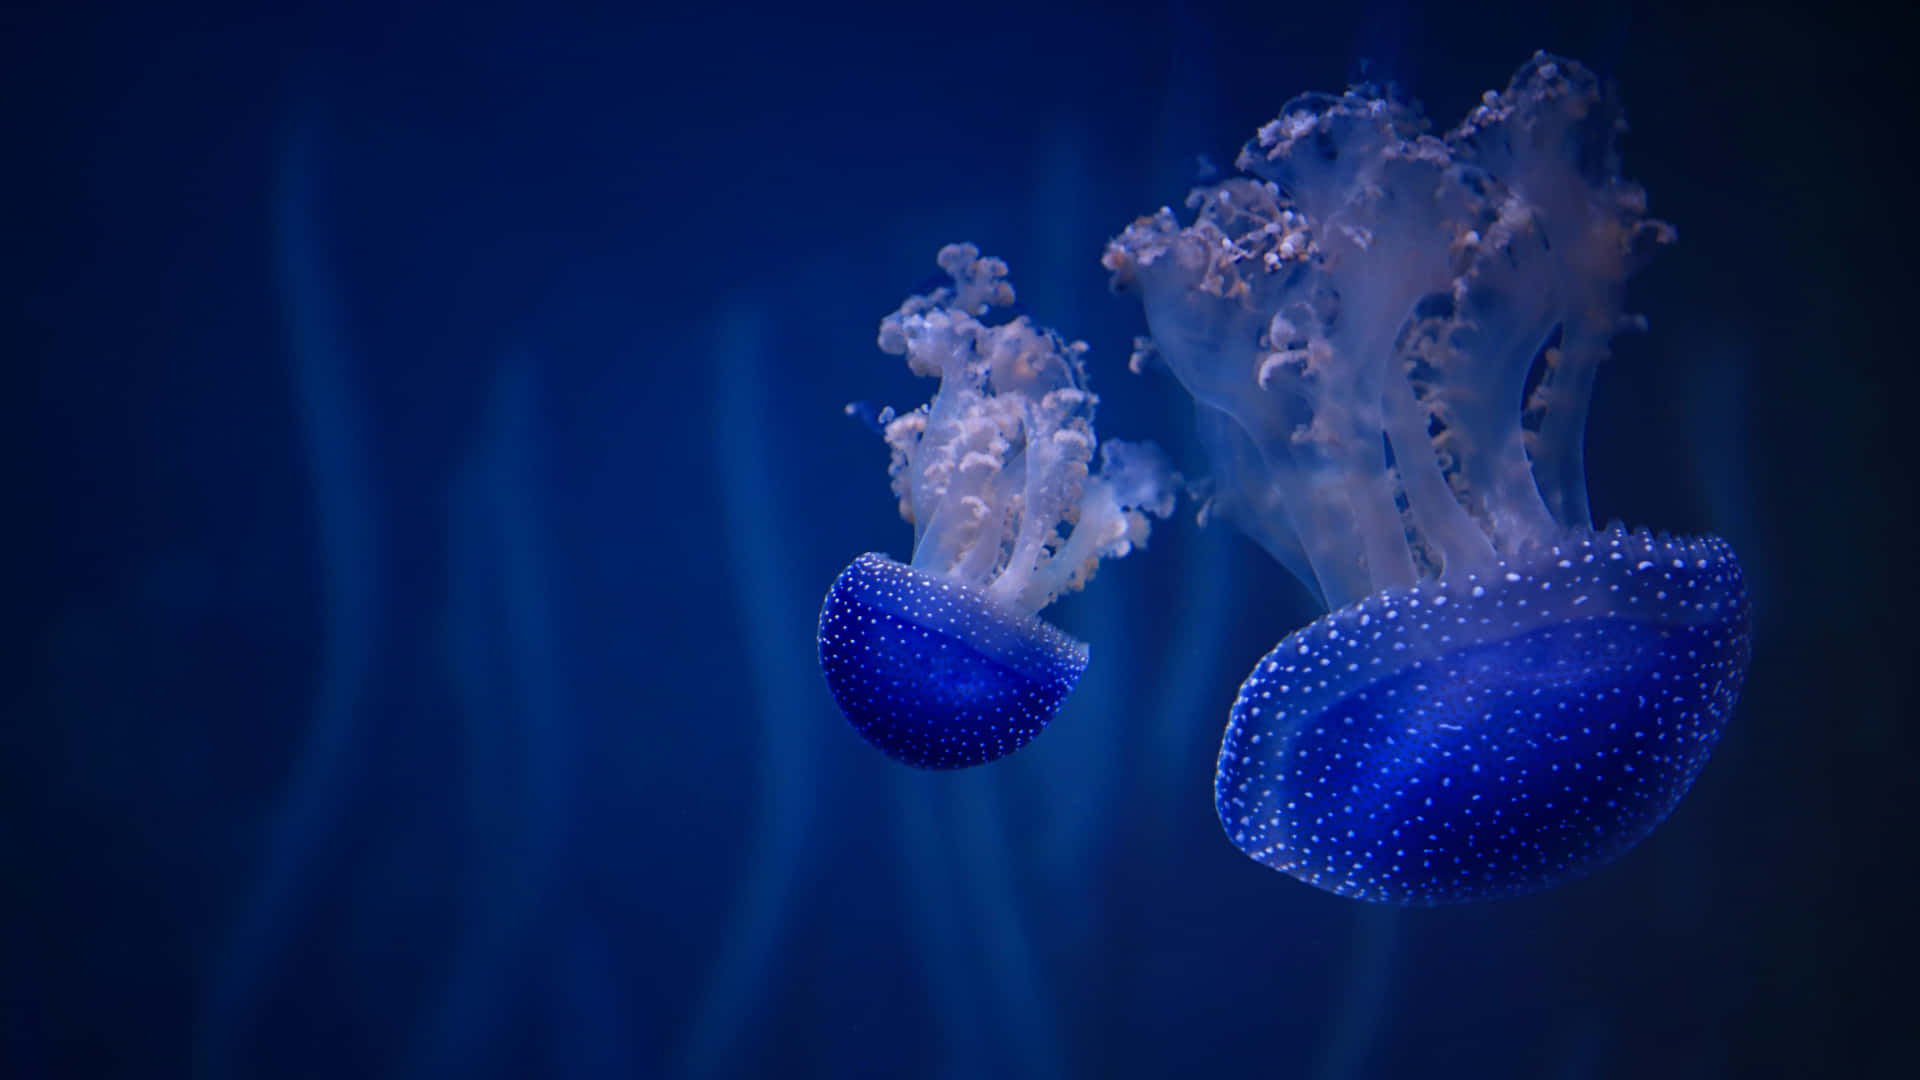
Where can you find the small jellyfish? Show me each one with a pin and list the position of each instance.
(945, 663)
(1391, 338)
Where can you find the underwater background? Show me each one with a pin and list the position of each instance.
(427, 457)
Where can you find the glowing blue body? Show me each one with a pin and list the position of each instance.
(933, 673)
(1471, 739)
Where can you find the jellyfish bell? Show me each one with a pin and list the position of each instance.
(1485, 735)
(1391, 338)
(945, 662)
(933, 672)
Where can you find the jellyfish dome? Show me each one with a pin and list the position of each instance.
(945, 663)
(1391, 338)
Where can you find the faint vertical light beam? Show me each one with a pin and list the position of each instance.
(776, 658)
(517, 724)
(1363, 997)
(309, 805)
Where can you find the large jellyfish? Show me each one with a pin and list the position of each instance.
(1392, 339)
(945, 663)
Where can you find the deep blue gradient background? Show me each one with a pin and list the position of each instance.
(425, 461)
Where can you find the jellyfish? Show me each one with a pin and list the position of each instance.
(1391, 339)
(944, 662)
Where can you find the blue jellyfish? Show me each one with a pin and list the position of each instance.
(945, 663)
(1391, 338)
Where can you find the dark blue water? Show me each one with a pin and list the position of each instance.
(426, 457)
